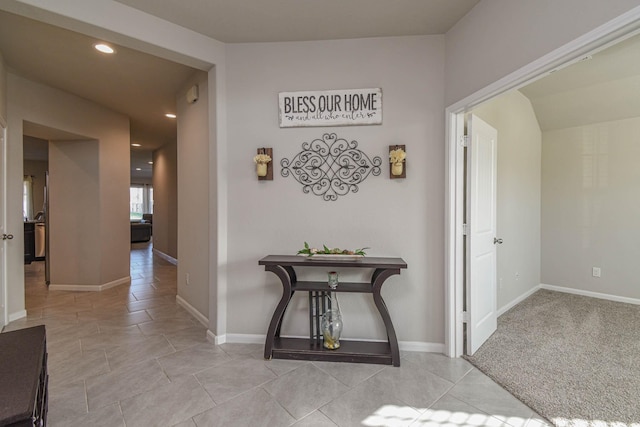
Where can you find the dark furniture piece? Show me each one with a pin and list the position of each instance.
(23, 378)
(29, 242)
(311, 349)
(140, 232)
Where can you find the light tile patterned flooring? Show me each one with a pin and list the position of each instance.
(131, 356)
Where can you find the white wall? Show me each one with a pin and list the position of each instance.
(114, 182)
(193, 188)
(74, 213)
(52, 108)
(398, 218)
(165, 200)
(218, 199)
(497, 37)
(590, 207)
(518, 206)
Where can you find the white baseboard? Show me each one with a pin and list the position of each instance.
(609, 297)
(78, 288)
(192, 310)
(17, 315)
(90, 288)
(217, 340)
(246, 338)
(518, 300)
(424, 347)
(165, 257)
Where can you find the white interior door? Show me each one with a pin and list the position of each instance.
(481, 251)
(4, 317)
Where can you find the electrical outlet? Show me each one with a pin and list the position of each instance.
(517, 276)
(595, 272)
(501, 283)
(186, 279)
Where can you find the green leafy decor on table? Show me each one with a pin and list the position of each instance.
(328, 251)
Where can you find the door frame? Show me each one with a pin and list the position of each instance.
(614, 31)
(4, 313)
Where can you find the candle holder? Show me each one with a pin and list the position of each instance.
(332, 279)
(398, 162)
(263, 161)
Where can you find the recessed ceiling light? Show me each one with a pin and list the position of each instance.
(170, 115)
(150, 163)
(136, 145)
(138, 169)
(104, 48)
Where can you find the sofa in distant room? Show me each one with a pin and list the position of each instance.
(140, 231)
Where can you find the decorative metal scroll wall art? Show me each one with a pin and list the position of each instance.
(330, 167)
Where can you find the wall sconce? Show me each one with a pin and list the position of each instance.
(398, 162)
(264, 164)
(192, 94)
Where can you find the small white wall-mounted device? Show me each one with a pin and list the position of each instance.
(192, 94)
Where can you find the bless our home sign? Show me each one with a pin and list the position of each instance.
(330, 108)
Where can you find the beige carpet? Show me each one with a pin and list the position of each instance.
(575, 360)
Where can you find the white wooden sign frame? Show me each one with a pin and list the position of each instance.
(346, 107)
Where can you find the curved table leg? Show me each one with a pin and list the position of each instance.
(377, 280)
(292, 279)
(277, 334)
(276, 320)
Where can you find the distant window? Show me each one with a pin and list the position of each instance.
(140, 200)
(150, 199)
(27, 197)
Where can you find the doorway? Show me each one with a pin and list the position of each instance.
(63, 165)
(481, 232)
(35, 162)
(573, 52)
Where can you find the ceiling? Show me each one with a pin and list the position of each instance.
(249, 21)
(604, 86)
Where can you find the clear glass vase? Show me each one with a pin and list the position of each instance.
(331, 324)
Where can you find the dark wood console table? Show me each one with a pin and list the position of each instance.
(350, 351)
(23, 378)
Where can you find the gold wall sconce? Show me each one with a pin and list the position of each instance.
(397, 161)
(264, 164)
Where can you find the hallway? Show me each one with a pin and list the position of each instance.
(131, 356)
